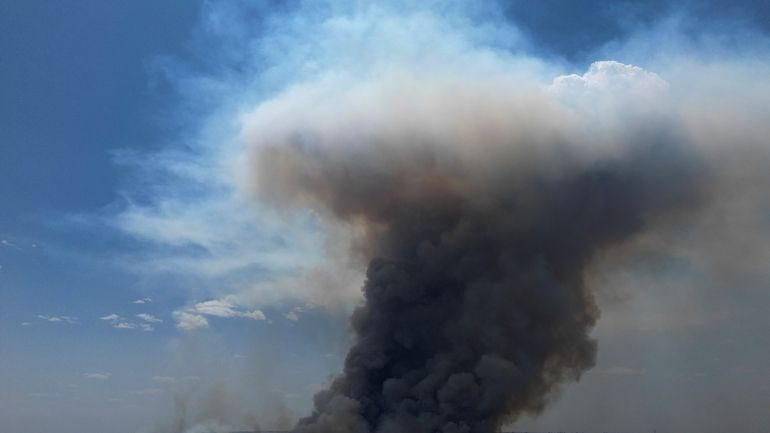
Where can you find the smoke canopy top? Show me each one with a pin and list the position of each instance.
(478, 202)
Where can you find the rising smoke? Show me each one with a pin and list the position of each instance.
(478, 203)
(478, 192)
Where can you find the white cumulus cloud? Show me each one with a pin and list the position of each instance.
(189, 322)
(610, 76)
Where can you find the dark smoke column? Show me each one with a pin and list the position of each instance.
(475, 306)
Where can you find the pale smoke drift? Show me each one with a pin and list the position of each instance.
(477, 195)
(478, 200)
(476, 191)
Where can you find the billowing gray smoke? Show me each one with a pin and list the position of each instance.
(479, 207)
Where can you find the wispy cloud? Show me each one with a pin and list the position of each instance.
(9, 244)
(624, 371)
(164, 380)
(193, 317)
(143, 301)
(124, 325)
(149, 318)
(57, 319)
(149, 391)
(119, 322)
(295, 312)
(97, 376)
(224, 308)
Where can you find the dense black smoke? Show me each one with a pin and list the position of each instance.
(478, 238)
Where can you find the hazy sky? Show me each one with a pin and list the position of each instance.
(139, 284)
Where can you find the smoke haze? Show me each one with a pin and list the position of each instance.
(384, 216)
(480, 187)
(480, 202)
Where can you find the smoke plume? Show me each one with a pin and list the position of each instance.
(468, 192)
(477, 202)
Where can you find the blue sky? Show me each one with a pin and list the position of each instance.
(118, 121)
